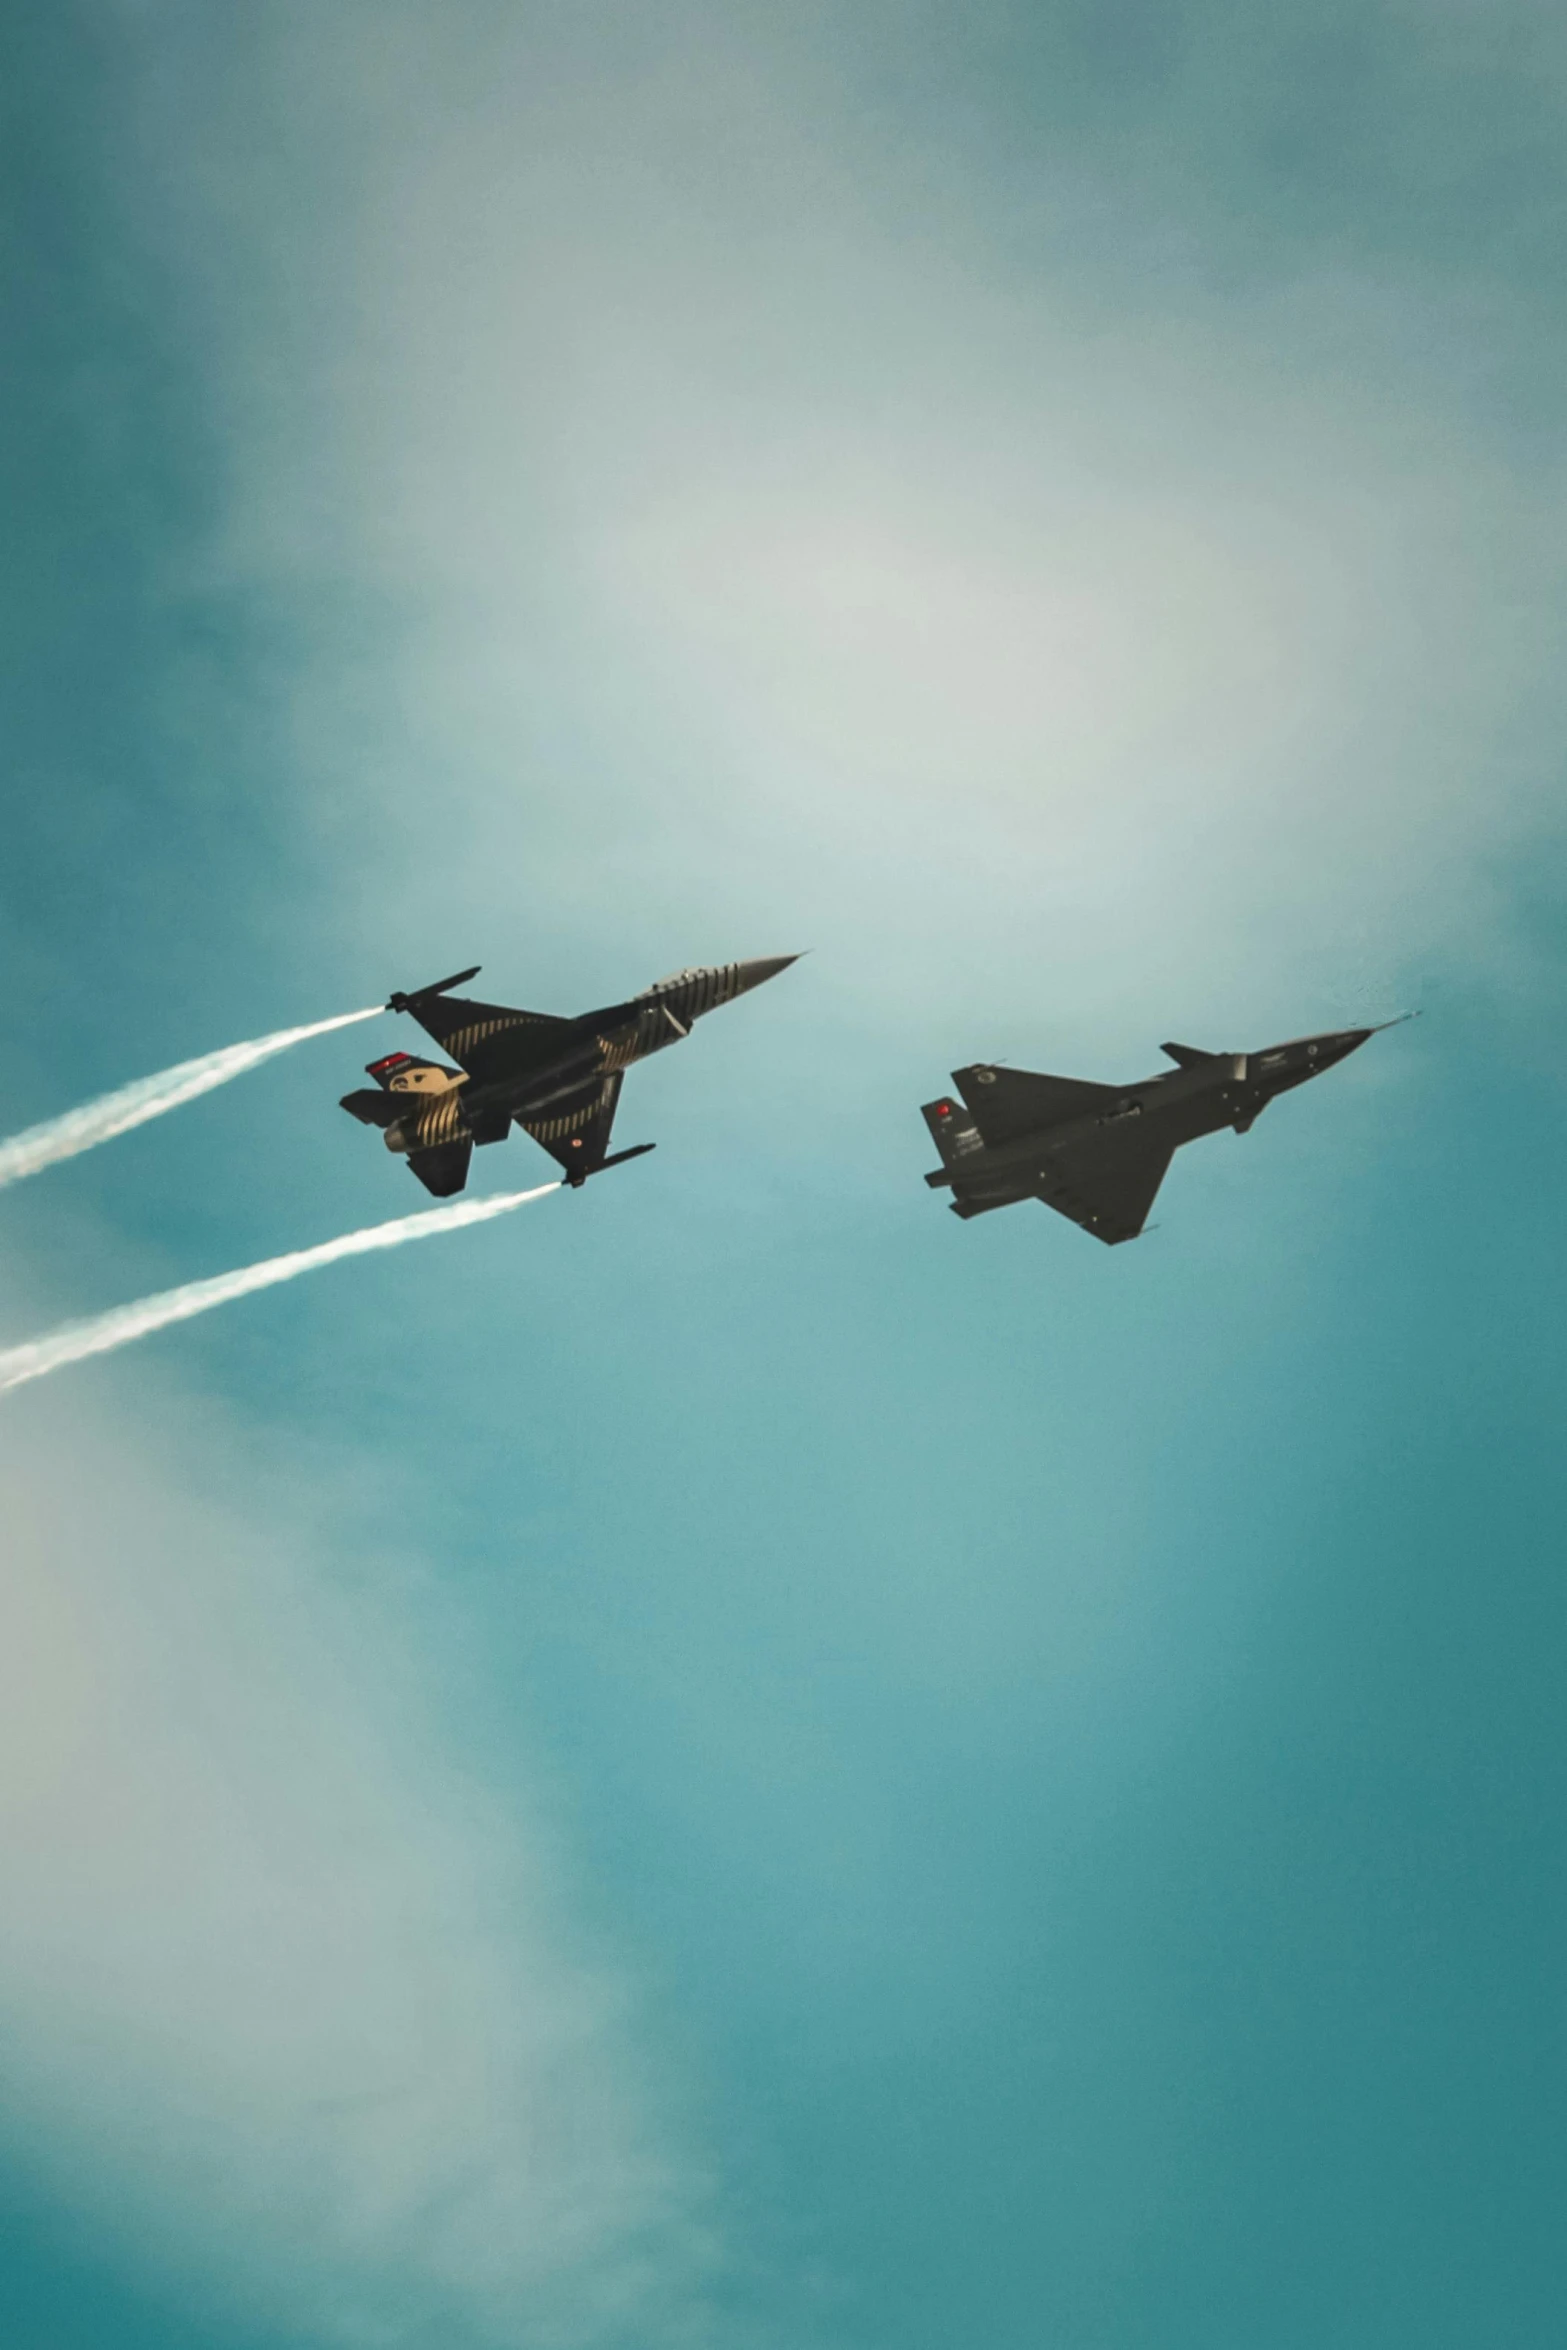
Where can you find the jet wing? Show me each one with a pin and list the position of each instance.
(1009, 1103)
(444, 1168)
(491, 1041)
(575, 1130)
(1106, 1181)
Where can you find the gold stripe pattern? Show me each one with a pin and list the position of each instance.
(618, 1052)
(552, 1129)
(462, 1040)
(442, 1122)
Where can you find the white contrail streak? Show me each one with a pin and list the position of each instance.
(132, 1105)
(101, 1333)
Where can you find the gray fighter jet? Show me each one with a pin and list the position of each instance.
(1098, 1153)
(559, 1080)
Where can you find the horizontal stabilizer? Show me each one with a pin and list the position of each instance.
(374, 1108)
(443, 1169)
(1188, 1056)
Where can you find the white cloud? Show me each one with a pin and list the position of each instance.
(767, 537)
(291, 1999)
(747, 546)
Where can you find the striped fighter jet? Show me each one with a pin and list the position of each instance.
(559, 1080)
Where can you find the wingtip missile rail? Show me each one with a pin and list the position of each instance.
(405, 1000)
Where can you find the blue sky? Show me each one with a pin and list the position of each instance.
(729, 1760)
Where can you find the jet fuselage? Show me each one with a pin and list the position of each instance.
(557, 1078)
(1098, 1153)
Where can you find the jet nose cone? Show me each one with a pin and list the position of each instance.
(1313, 1054)
(763, 967)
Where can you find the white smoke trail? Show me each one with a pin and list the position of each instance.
(100, 1333)
(132, 1105)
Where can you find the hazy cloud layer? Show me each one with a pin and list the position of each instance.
(706, 497)
(291, 1999)
(952, 587)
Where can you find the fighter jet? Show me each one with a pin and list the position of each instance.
(557, 1079)
(1098, 1153)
